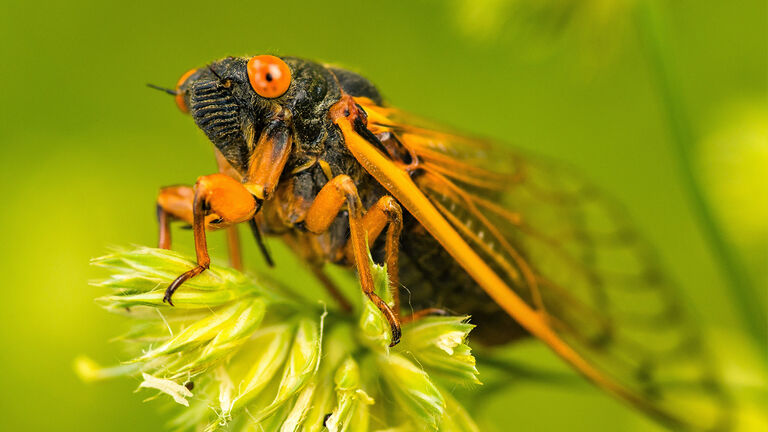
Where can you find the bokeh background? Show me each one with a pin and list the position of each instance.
(84, 147)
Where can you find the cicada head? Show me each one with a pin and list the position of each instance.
(233, 99)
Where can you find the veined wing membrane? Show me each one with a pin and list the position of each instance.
(569, 252)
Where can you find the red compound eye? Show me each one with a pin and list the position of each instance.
(269, 76)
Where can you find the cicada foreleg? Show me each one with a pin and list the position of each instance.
(327, 204)
(219, 201)
(173, 203)
(176, 203)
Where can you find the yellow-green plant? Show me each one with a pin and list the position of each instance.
(241, 353)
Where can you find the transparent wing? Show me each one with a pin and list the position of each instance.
(571, 254)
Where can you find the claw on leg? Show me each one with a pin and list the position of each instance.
(187, 275)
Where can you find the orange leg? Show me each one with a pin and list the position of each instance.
(176, 203)
(233, 238)
(173, 202)
(164, 226)
(386, 213)
(233, 246)
(328, 202)
(219, 201)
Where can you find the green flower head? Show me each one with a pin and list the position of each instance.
(238, 353)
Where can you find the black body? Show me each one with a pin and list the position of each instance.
(233, 116)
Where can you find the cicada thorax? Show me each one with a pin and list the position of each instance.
(319, 154)
(430, 277)
(285, 213)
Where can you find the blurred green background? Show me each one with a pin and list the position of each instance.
(84, 147)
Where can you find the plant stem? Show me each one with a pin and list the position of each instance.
(652, 33)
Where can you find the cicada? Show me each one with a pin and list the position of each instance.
(310, 152)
